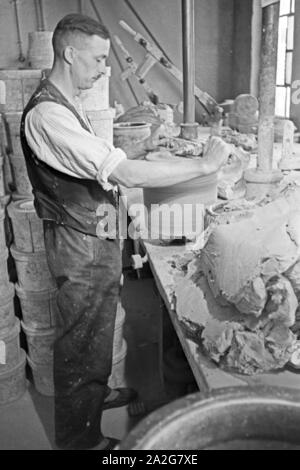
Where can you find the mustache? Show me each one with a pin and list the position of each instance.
(99, 76)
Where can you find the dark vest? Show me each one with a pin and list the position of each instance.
(57, 196)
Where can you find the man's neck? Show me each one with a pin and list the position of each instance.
(63, 81)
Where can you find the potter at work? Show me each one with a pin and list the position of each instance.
(60, 146)
(149, 227)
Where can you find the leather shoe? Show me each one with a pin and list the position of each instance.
(125, 396)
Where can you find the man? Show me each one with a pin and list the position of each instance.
(73, 172)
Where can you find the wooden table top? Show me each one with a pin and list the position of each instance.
(207, 374)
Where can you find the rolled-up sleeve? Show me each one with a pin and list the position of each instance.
(56, 137)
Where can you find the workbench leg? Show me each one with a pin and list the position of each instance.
(161, 344)
(175, 372)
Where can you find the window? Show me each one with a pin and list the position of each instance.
(285, 57)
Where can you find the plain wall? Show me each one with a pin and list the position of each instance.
(223, 42)
(241, 78)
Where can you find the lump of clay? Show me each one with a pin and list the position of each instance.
(182, 147)
(282, 304)
(293, 274)
(245, 286)
(217, 337)
(231, 184)
(237, 254)
(279, 342)
(249, 355)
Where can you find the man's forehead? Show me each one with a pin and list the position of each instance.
(93, 43)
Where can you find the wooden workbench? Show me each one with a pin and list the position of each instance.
(207, 374)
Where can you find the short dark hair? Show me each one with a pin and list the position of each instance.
(77, 23)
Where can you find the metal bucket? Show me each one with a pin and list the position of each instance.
(238, 418)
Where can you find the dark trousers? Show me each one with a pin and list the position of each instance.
(87, 271)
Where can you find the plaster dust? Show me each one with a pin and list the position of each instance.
(239, 295)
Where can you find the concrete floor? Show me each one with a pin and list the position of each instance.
(28, 423)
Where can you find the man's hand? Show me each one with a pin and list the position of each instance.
(155, 140)
(216, 153)
(161, 155)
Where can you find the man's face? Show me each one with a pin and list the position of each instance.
(90, 61)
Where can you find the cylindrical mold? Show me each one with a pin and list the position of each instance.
(39, 309)
(40, 50)
(27, 226)
(222, 213)
(40, 344)
(13, 382)
(102, 123)
(10, 347)
(20, 85)
(20, 177)
(13, 123)
(32, 270)
(4, 278)
(7, 309)
(178, 211)
(128, 134)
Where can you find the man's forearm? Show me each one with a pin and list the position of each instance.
(135, 151)
(158, 174)
(150, 174)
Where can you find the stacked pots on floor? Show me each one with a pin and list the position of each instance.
(21, 183)
(36, 290)
(12, 357)
(19, 86)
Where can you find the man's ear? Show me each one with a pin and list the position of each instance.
(69, 54)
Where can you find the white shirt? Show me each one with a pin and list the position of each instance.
(56, 137)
